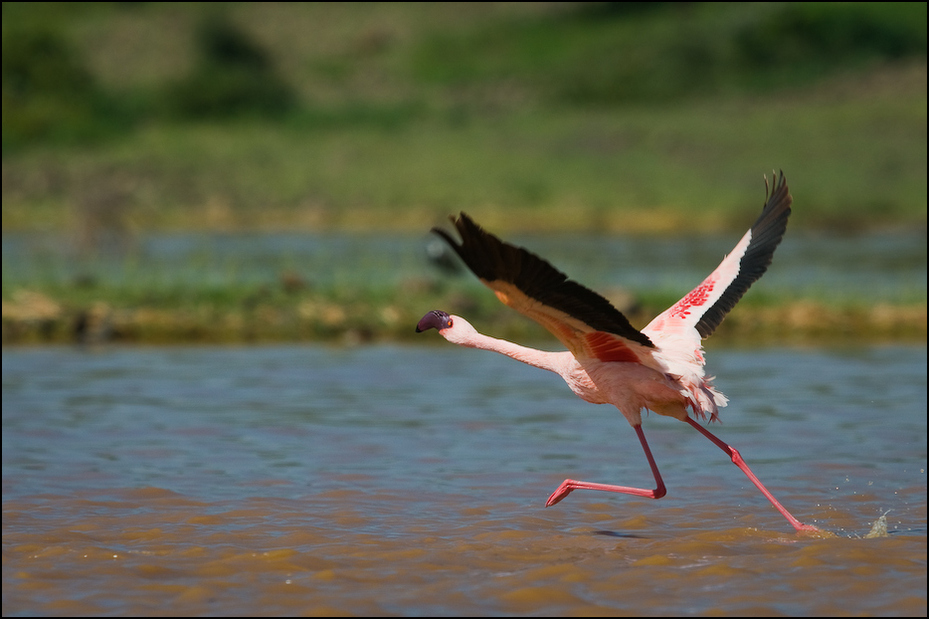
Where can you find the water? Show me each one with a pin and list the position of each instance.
(411, 481)
(871, 267)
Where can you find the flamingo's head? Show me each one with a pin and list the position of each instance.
(453, 328)
(436, 319)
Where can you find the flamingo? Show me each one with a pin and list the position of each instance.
(608, 361)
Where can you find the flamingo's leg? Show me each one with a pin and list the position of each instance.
(739, 462)
(570, 484)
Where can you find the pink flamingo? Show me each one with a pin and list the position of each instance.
(659, 368)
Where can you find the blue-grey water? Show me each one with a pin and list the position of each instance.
(869, 268)
(411, 480)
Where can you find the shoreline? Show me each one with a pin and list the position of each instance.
(30, 318)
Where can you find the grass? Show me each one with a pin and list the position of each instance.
(272, 314)
(854, 164)
(530, 116)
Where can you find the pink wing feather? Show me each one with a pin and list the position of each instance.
(677, 332)
(703, 308)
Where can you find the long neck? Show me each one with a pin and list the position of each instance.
(551, 361)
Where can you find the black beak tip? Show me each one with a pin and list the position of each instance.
(436, 319)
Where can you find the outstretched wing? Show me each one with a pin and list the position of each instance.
(580, 318)
(704, 307)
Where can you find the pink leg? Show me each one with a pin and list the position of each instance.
(739, 462)
(569, 484)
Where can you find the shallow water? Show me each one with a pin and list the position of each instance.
(411, 481)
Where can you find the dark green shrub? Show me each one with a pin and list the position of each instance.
(234, 77)
(47, 91)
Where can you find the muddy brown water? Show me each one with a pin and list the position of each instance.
(411, 481)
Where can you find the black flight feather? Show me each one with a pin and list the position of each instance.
(767, 232)
(494, 260)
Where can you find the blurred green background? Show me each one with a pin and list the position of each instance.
(544, 116)
(129, 119)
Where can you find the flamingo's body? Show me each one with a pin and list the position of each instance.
(659, 368)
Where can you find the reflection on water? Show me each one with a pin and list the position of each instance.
(404, 480)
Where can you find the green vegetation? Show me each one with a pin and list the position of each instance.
(650, 117)
(120, 118)
(282, 311)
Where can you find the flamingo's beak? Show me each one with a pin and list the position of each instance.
(436, 319)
